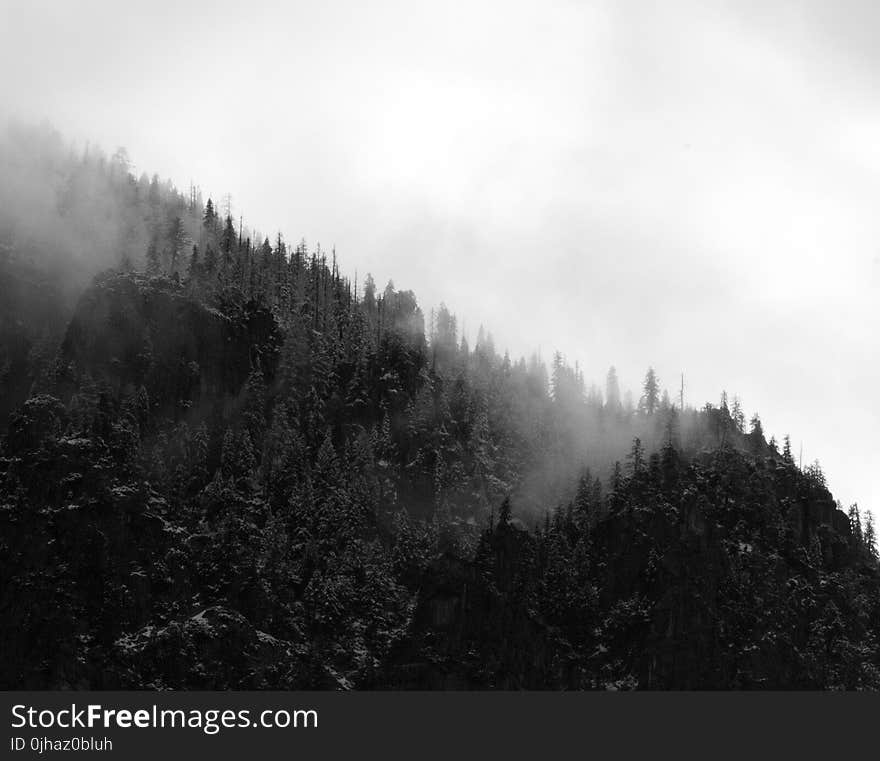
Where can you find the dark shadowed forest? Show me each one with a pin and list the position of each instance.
(226, 464)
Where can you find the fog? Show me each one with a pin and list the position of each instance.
(692, 188)
(69, 223)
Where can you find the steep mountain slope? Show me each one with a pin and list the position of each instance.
(172, 519)
(226, 465)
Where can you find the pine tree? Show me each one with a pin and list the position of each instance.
(870, 538)
(584, 490)
(737, 415)
(756, 434)
(228, 239)
(815, 474)
(612, 391)
(154, 196)
(209, 220)
(637, 456)
(650, 400)
(327, 463)
(855, 523)
(757, 430)
(786, 451)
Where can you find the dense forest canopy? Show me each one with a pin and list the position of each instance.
(68, 214)
(227, 464)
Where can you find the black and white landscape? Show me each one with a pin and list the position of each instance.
(233, 458)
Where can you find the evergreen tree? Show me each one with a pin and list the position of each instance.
(738, 416)
(209, 220)
(855, 522)
(650, 400)
(756, 435)
(870, 538)
(228, 240)
(786, 451)
(612, 391)
(756, 430)
(637, 456)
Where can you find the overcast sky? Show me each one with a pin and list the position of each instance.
(691, 185)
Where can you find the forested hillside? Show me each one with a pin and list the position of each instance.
(226, 464)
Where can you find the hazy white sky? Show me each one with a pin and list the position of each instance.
(692, 185)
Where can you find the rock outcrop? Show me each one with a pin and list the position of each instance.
(131, 330)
